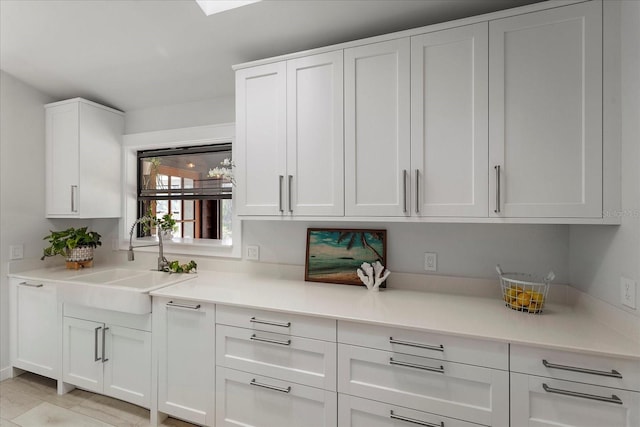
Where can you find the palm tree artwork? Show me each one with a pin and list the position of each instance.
(334, 255)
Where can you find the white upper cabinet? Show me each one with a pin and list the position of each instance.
(449, 122)
(260, 149)
(289, 147)
(546, 113)
(495, 119)
(83, 156)
(377, 145)
(315, 167)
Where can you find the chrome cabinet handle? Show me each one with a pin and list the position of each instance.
(254, 337)
(439, 370)
(613, 399)
(270, 387)
(280, 179)
(95, 344)
(270, 322)
(497, 168)
(31, 285)
(404, 190)
(104, 335)
(417, 344)
(413, 420)
(289, 189)
(187, 306)
(417, 191)
(613, 373)
(73, 198)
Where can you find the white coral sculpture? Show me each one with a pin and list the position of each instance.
(373, 276)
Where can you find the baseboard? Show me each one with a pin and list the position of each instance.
(5, 373)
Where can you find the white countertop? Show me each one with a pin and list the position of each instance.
(560, 326)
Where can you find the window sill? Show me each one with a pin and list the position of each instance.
(188, 246)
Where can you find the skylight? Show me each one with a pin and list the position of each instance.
(209, 7)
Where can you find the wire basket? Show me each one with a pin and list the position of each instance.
(524, 292)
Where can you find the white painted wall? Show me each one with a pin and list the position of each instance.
(201, 113)
(470, 250)
(22, 198)
(599, 255)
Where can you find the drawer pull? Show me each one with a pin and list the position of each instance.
(270, 387)
(417, 344)
(257, 338)
(270, 322)
(104, 338)
(414, 421)
(613, 399)
(439, 370)
(613, 373)
(31, 285)
(187, 306)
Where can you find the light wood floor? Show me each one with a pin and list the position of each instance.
(31, 401)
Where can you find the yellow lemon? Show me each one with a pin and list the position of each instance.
(513, 291)
(524, 298)
(537, 297)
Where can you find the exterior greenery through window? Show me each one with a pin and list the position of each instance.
(186, 184)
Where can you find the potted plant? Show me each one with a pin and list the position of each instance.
(75, 244)
(166, 225)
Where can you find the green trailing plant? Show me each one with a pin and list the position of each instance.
(176, 267)
(62, 242)
(166, 223)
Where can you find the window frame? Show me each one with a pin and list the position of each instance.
(174, 138)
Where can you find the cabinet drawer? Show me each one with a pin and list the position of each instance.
(456, 390)
(358, 412)
(280, 323)
(289, 358)
(244, 399)
(443, 347)
(584, 368)
(537, 401)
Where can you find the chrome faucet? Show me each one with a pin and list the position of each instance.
(162, 261)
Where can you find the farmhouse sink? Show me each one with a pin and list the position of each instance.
(118, 289)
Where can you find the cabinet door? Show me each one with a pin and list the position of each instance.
(377, 134)
(315, 183)
(127, 365)
(546, 113)
(546, 402)
(35, 335)
(62, 157)
(449, 122)
(260, 152)
(358, 412)
(82, 353)
(245, 399)
(185, 348)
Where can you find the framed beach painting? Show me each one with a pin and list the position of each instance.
(334, 254)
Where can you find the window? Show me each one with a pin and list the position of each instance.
(192, 185)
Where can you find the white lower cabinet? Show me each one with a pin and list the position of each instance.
(457, 390)
(108, 359)
(539, 401)
(246, 399)
(358, 412)
(184, 348)
(35, 331)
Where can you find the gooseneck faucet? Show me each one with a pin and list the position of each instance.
(162, 261)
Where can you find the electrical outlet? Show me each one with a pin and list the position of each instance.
(16, 251)
(253, 252)
(628, 292)
(430, 261)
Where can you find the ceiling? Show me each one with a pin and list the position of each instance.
(133, 54)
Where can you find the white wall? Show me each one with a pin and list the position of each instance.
(599, 256)
(201, 113)
(22, 178)
(470, 250)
